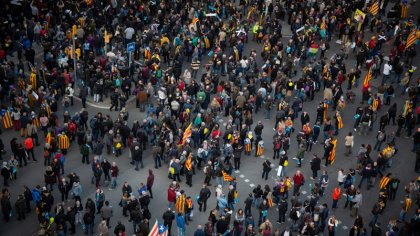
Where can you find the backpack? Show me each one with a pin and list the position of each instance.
(394, 185)
(92, 123)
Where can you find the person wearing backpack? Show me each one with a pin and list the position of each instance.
(380, 138)
(395, 182)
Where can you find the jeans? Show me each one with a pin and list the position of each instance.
(137, 164)
(374, 220)
(362, 180)
(89, 229)
(158, 162)
(402, 215)
(113, 182)
(267, 114)
(378, 145)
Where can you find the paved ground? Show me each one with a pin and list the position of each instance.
(248, 177)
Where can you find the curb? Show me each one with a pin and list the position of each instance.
(131, 99)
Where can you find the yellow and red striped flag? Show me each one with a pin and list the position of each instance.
(7, 120)
(331, 158)
(323, 24)
(36, 122)
(374, 8)
(188, 162)
(404, 9)
(32, 79)
(411, 39)
(187, 134)
(368, 77)
(227, 177)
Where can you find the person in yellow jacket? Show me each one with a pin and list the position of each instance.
(255, 31)
(63, 143)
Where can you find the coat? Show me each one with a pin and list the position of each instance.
(316, 164)
(106, 212)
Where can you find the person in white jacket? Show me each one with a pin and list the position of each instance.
(70, 93)
(341, 177)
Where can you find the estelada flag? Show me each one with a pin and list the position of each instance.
(6, 119)
(411, 39)
(187, 134)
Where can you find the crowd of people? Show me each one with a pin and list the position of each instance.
(191, 65)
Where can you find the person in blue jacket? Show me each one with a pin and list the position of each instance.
(180, 223)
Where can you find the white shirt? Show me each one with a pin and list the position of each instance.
(387, 69)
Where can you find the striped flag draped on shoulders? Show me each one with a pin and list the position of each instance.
(187, 134)
(411, 39)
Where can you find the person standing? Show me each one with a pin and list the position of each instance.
(203, 197)
(266, 169)
(150, 181)
(114, 174)
(70, 93)
(180, 223)
(106, 213)
(64, 189)
(83, 93)
(315, 166)
(63, 143)
(298, 180)
(336, 196)
(168, 218)
(88, 220)
(282, 207)
(349, 142)
(323, 182)
(71, 218)
(20, 207)
(332, 225)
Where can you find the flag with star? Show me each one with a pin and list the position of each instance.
(158, 230)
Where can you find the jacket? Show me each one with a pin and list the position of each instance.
(168, 217)
(316, 164)
(107, 212)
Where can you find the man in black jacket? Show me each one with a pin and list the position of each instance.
(114, 100)
(248, 205)
(315, 166)
(168, 217)
(203, 197)
(282, 207)
(71, 218)
(266, 169)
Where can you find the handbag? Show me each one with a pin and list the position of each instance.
(286, 163)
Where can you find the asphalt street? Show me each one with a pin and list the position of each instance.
(248, 177)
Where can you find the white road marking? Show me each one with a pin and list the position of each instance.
(252, 185)
(304, 192)
(221, 120)
(246, 181)
(237, 171)
(272, 165)
(345, 227)
(224, 124)
(242, 176)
